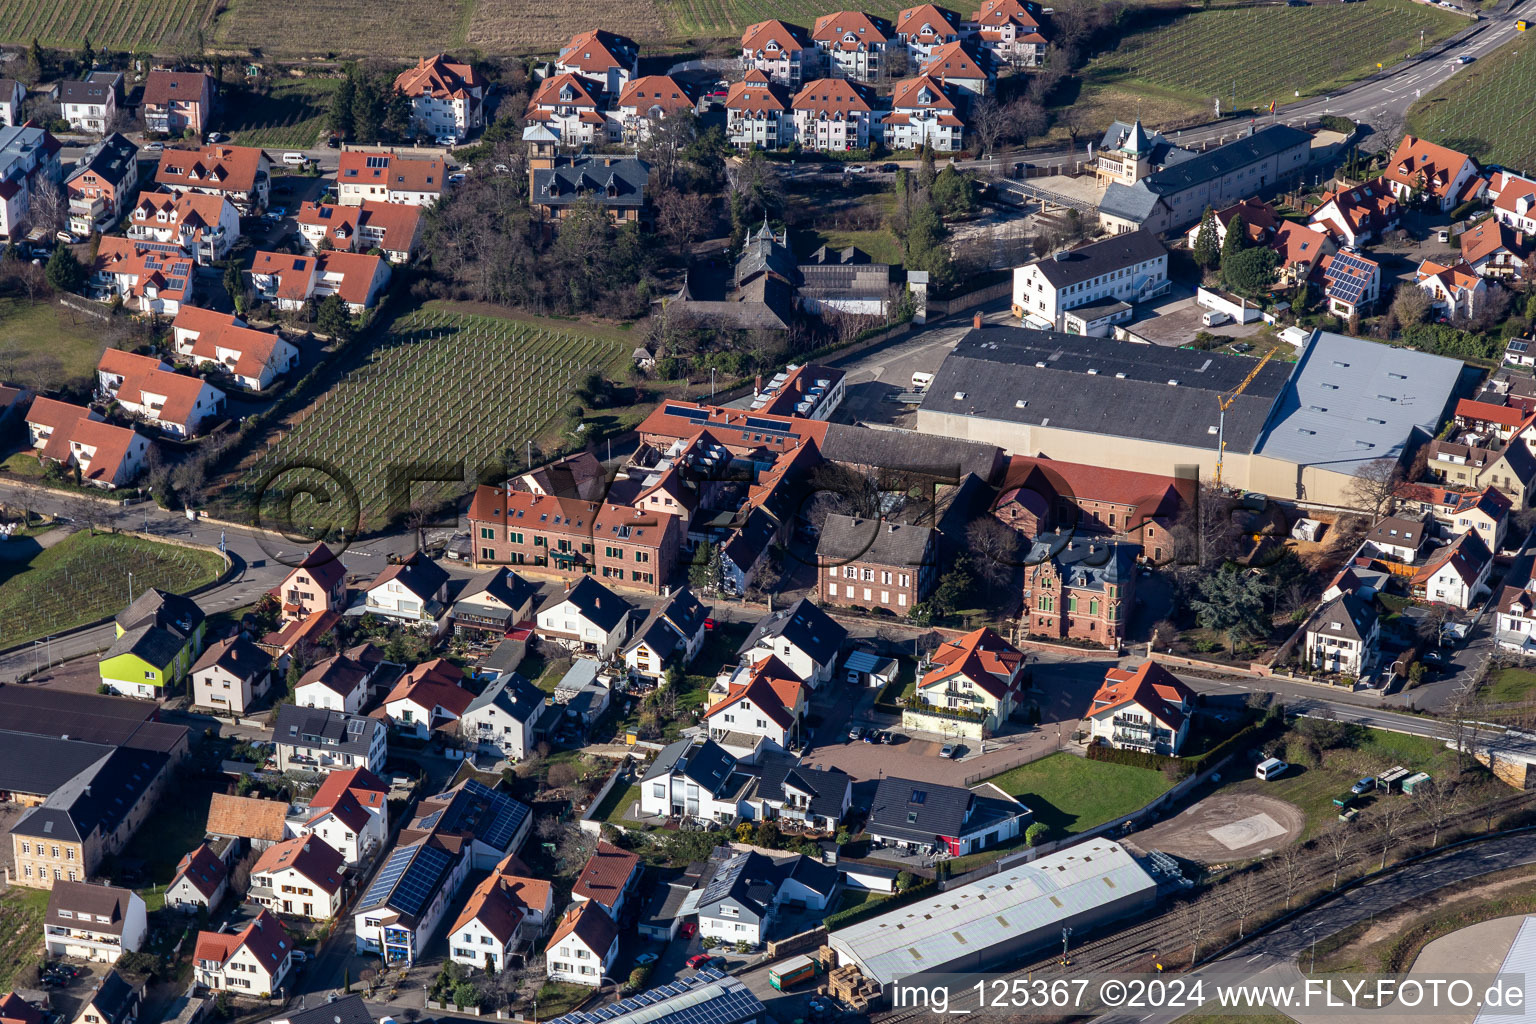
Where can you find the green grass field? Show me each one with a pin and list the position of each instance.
(21, 932)
(617, 803)
(46, 344)
(440, 394)
(171, 830)
(1265, 53)
(1071, 793)
(1510, 686)
(1467, 112)
(290, 116)
(158, 26)
(83, 578)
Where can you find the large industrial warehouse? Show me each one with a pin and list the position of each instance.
(1000, 918)
(1295, 431)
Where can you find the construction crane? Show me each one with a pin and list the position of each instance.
(1225, 403)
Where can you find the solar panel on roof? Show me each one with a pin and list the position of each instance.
(389, 874)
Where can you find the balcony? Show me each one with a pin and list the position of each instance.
(86, 207)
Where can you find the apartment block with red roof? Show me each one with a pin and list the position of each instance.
(71, 435)
(299, 877)
(291, 281)
(447, 96)
(389, 178)
(242, 174)
(147, 276)
(757, 113)
(605, 59)
(253, 961)
(924, 111)
(958, 64)
(101, 183)
(144, 386)
(853, 44)
(644, 102)
(833, 114)
(206, 227)
(1042, 495)
(926, 28)
(1455, 289)
(175, 101)
(573, 110)
(392, 228)
(1514, 201)
(1010, 31)
(250, 359)
(1420, 171)
(1148, 710)
(783, 52)
(979, 673)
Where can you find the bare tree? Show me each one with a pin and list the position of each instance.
(1438, 802)
(1244, 893)
(1390, 820)
(991, 123)
(1411, 304)
(1194, 919)
(682, 216)
(1339, 841)
(1206, 531)
(1029, 120)
(1291, 867)
(87, 512)
(1374, 487)
(994, 550)
(240, 874)
(49, 205)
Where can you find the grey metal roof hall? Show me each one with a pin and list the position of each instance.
(1102, 386)
(1350, 401)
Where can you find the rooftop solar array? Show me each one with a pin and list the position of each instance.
(708, 997)
(389, 874)
(1348, 275)
(503, 815)
(408, 878)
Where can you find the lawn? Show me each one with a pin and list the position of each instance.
(1265, 54)
(171, 831)
(84, 578)
(21, 931)
(440, 396)
(557, 998)
(1510, 686)
(160, 26)
(291, 115)
(618, 800)
(1071, 793)
(851, 898)
(44, 344)
(1464, 112)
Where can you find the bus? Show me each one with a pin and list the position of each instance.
(791, 972)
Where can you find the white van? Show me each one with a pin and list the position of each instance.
(1270, 769)
(1215, 318)
(295, 159)
(922, 381)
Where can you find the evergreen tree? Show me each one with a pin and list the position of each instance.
(87, 56)
(64, 272)
(234, 284)
(1232, 602)
(333, 317)
(707, 572)
(926, 172)
(39, 59)
(339, 118)
(398, 115)
(367, 115)
(1206, 250)
(1236, 240)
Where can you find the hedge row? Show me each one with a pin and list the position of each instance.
(870, 908)
(1138, 759)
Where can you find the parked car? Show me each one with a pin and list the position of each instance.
(889, 168)
(217, 137)
(855, 169)
(300, 957)
(334, 142)
(699, 961)
(688, 928)
(855, 734)
(871, 736)
(948, 751)
(1215, 318)
(447, 141)
(1365, 785)
(645, 958)
(709, 624)
(885, 736)
(154, 147)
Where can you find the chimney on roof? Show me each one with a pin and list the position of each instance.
(757, 385)
(976, 320)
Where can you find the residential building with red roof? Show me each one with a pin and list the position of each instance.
(1455, 289)
(253, 961)
(13, 1008)
(583, 946)
(389, 178)
(507, 911)
(770, 705)
(926, 28)
(447, 96)
(299, 877)
(739, 431)
(605, 59)
(1456, 574)
(1494, 249)
(957, 64)
(261, 823)
(201, 881)
(979, 673)
(177, 100)
(29, 156)
(610, 877)
(1484, 512)
(428, 697)
(1299, 249)
(99, 187)
(1010, 31)
(1514, 200)
(252, 360)
(783, 52)
(833, 114)
(393, 228)
(757, 113)
(571, 108)
(350, 812)
(318, 583)
(1358, 215)
(1040, 495)
(108, 456)
(1351, 282)
(177, 404)
(646, 101)
(206, 227)
(1148, 710)
(291, 281)
(309, 630)
(924, 111)
(853, 44)
(1488, 418)
(1420, 170)
(146, 276)
(241, 174)
(1260, 222)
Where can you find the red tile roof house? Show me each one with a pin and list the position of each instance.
(957, 64)
(177, 100)
(770, 704)
(317, 583)
(1148, 709)
(607, 60)
(1358, 215)
(1455, 575)
(980, 673)
(427, 698)
(853, 44)
(508, 908)
(299, 877)
(833, 114)
(1514, 201)
(583, 946)
(611, 877)
(1441, 177)
(350, 803)
(108, 456)
(252, 360)
(571, 108)
(392, 228)
(206, 227)
(924, 29)
(1496, 250)
(1299, 248)
(201, 881)
(783, 52)
(1009, 30)
(142, 385)
(447, 96)
(924, 111)
(143, 275)
(253, 961)
(1040, 495)
(1351, 282)
(1455, 290)
(291, 281)
(646, 101)
(757, 113)
(13, 1008)
(389, 178)
(240, 173)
